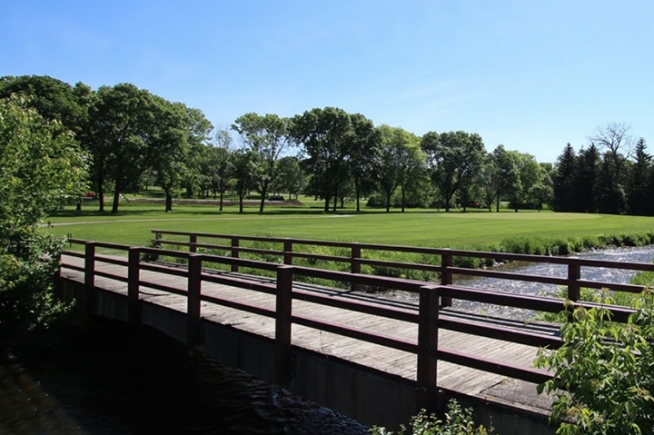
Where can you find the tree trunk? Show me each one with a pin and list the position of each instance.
(356, 190)
(240, 203)
(114, 208)
(79, 204)
(169, 200)
(101, 195)
(388, 202)
(221, 200)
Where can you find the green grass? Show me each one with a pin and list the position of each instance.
(474, 229)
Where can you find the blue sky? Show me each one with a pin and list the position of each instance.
(531, 75)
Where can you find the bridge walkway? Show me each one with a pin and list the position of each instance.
(472, 382)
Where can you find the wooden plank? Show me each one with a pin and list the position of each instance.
(450, 376)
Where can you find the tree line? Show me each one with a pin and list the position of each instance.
(132, 138)
(613, 174)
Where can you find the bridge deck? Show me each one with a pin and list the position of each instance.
(450, 376)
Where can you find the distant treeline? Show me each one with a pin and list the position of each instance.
(133, 139)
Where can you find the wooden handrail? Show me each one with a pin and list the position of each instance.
(446, 269)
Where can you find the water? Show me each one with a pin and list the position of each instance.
(114, 379)
(643, 254)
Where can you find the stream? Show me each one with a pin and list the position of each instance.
(641, 254)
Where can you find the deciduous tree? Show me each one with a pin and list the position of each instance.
(325, 138)
(268, 136)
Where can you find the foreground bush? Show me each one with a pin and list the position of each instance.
(604, 372)
(28, 261)
(41, 166)
(458, 421)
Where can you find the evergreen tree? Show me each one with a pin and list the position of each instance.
(585, 180)
(564, 180)
(637, 196)
(610, 197)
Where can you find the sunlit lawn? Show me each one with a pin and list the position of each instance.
(134, 222)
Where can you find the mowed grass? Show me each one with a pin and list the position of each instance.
(472, 230)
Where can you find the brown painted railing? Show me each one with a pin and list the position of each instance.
(427, 316)
(444, 267)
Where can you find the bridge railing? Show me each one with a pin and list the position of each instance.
(427, 317)
(445, 266)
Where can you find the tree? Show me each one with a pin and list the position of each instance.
(564, 180)
(585, 180)
(453, 159)
(324, 135)
(505, 179)
(615, 140)
(269, 137)
(42, 167)
(247, 171)
(531, 174)
(51, 98)
(364, 153)
(487, 179)
(389, 168)
(222, 163)
(611, 197)
(637, 197)
(54, 100)
(400, 162)
(290, 176)
(170, 138)
(412, 166)
(121, 123)
(472, 153)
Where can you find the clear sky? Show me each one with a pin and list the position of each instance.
(532, 75)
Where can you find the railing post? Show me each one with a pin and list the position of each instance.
(446, 275)
(194, 300)
(133, 277)
(193, 239)
(574, 275)
(427, 348)
(355, 265)
(234, 253)
(57, 277)
(288, 252)
(283, 321)
(89, 276)
(157, 239)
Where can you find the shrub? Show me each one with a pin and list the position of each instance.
(29, 259)
(603, 380)
(458, 421)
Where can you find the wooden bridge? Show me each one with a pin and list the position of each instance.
(315, 332)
